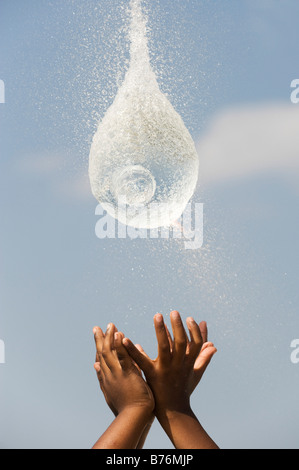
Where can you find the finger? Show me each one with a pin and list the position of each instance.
(101, 379)
(179, 337)
(207, 352)
(123, 356)
(99, 340)
(100, 375)
(140, 348)
(108, 350)
(203, 360)
(118, 335)
(196, 337)
(206, 345)
(97, 359)
(170, 340)
(202, 363)
(141, 359)
(162, 338)
(204, 331)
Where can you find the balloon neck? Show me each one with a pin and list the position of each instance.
(133, 185)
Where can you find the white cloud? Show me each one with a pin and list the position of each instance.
(240, 142)
(76, 188)
(58, 173)
(249, 140)
(39, 164)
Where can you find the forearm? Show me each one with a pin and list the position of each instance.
(184, 430)
(126, 431)
(145, 432)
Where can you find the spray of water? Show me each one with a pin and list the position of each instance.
(142, 154)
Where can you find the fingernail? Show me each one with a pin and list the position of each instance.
(175, 315)
(159, 318)
(108, 326)
(94, 330)
(116, 336)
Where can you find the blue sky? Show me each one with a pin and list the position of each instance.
(227, 68)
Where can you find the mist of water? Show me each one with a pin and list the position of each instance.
(142, 154)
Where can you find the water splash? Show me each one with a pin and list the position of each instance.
(142, 154)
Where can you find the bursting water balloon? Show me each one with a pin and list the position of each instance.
(143, 165)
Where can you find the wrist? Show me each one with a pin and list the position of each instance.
(182, 407)
(174, 411)
(145, 411)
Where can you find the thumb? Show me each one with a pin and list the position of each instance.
(203, 359)
(138, 355)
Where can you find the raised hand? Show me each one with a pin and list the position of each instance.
(125, 391)
(174, 374)
(120, 379)
(180, 363)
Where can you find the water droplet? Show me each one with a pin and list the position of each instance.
(143, 165)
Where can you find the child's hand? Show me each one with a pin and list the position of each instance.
(180, 364)
(120, 379)
(203, 359)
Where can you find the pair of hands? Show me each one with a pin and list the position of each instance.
(170, 379)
